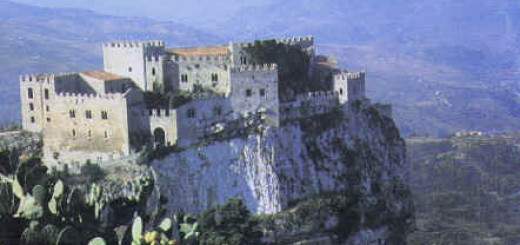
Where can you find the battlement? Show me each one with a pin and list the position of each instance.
(297, 40)
(195, 58)
(38, 78)
(345, 75)
(303, 41)
(161, 113)
(134, 44)
(319, 95)
(249, 68)
(90, 96)
(43, 77)
(154, 57)
(208, 96)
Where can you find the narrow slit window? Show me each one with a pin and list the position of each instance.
(88, 114)
(30, 93)
(184, 78)
(72, 114)
(104, 115)
(31, 106)
(46, 93)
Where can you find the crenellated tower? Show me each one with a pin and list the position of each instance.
(141, 61)
(349, 85)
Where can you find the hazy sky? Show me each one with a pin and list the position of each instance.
(194, 11)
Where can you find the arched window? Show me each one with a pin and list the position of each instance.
(30, 93)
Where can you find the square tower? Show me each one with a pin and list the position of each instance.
(349, 86)
(137, 60)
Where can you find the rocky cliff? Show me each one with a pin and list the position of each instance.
(354, 151)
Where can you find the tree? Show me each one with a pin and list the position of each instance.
(230, 224)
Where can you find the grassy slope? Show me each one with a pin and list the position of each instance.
(466, 190)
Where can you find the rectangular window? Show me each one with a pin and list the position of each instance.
(249, 92)
(31, 106)
(88, 114)
(72, 114)
(46, 93)
(191, 113)
(214, 77)
(184, 78)
(48, 119)
(104, 115)
(30, 93)
(262, 92)
(47, 108)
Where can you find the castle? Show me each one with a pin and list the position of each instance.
(103, 115)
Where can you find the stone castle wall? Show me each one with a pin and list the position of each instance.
(255, 88)
(129, 59)
(78, 124)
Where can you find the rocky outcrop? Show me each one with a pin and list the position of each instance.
(354, 151)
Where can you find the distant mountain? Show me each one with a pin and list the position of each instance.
(35, 39)
(446, 65)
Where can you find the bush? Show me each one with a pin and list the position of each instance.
(228, 224)
(92, 172)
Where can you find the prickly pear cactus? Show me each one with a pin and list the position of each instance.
(40, 194)
(137, 229)
(97, 241)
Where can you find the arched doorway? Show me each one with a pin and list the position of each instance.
(159, 137)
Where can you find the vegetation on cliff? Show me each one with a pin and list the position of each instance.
(466, 190)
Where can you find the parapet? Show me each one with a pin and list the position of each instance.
(249, 68)
(345, 75)
(318, 95)
(90, 96)
(297, 40)
(38, 78)
(136, 44)
(198, 58)
(161, 113)
(154, 57)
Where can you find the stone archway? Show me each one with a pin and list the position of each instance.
(159, 137)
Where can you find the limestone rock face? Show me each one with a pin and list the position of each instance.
(354, 150)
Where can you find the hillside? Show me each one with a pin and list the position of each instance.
(38, 39)
(445, 65)
(465, 190)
